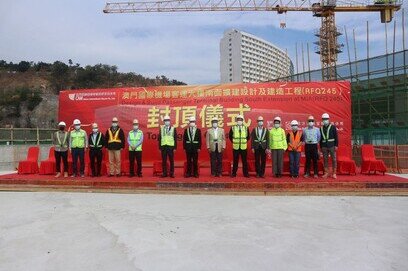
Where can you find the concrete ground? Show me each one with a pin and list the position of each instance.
(86, 231)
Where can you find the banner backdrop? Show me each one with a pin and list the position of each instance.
(290, 101)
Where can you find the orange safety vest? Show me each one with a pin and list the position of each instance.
(114, 137)
(295, 144)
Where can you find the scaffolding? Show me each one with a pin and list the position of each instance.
(379, 92)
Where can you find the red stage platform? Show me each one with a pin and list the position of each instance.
(206, 183)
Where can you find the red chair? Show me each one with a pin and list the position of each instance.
(345, 165)
(47, 167)
(226, 168)
(185, 168)
(369, 162)
(30, 165)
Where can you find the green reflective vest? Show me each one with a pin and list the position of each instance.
(134, 138)
(64, 143)
(78, 138)
(96, 144)
(239, 139)
(325, 137)
(277, 139)
(259, 138)
(167, 139)
(191, 137)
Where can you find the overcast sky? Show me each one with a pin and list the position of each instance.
(182, 46)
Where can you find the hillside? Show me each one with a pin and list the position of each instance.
(29, 91)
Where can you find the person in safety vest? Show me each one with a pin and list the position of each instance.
(167, 144)
(115, 142)
(295, 142)
(239, 136)
(259, 143)
(215, 140)
(277, 145)
(78, 144)
(135, 141)
(328, 145)
(60, 140)
(311, 137)
(96, 142)
(192, 146)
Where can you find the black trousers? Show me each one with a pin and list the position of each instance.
(260, 161)
(135, 155)
(95, 157)
(167, 151)
(243, 154)
(61, 155)
(78, 154)
(192, 163)
(312, 154)
(216, 162)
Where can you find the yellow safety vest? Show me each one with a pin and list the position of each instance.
(167, 139)
(78, 139)
(134, 139)
(277, 139)
(114, 137)
(239, 139)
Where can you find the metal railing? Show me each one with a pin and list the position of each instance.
(19, 136)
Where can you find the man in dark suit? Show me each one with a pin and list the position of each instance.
(192, 146)
(96, 142)
(259, 140)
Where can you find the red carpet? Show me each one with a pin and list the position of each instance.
(207, 182)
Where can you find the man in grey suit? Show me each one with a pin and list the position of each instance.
(215, 139)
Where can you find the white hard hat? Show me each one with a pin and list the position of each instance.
(214, 119)
(135, 121)
(191, 119)
(167, 117)
(240, 117)
(325, 116)
(277, 119)
(294, 122)
(114, 119)
(77, 122)
(94, 125)
(260, 118)
(61, 123)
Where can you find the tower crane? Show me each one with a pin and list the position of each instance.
(328, 46)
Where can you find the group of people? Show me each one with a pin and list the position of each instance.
(264, 141)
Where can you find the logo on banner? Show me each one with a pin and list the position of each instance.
(92, 96)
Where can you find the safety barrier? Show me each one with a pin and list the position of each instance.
(394, 156)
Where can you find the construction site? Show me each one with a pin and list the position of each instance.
(89, 199)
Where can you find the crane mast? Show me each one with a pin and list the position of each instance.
(328, 46)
